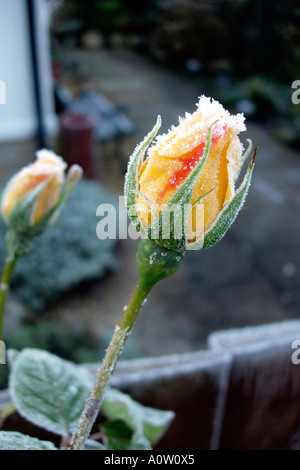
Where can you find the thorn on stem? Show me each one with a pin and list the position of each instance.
(253, 158)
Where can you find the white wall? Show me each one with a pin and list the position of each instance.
(18, 115)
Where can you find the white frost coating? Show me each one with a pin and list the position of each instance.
(120, 336)
(233, 166)
(50, 157)
(48, 391)
(122, 332)
(194, 127)
(141, 148)
(133, 168)
(52, 166)
(152, 258)
(244, 186)
(10, 440)
(73, 389)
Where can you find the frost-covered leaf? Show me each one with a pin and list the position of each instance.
(94, 445)
(148, 424)
(16, 441)
(48, 391)
(117, 435)
(228, 215)
(12, 355)
(131, 178)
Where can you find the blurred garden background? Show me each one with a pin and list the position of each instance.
(88, 79)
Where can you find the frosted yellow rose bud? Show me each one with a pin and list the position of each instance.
(34, 192)
(195, 165)
(49, 169)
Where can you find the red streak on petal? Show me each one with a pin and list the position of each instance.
(189, 161)
(37, 179)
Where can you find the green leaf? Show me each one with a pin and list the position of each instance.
(17, 441)
(147, 423)
(18, 244)
(48, 391)
(12, 355)
(131, 179)
(245, 156)
(94, 445)
(118, 436)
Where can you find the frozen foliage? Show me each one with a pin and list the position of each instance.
(48, 391)
(51, 393)
(149, 424)
(131, 177)
(67, 254)
(17, 441)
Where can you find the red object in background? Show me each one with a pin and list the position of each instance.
(78, 142)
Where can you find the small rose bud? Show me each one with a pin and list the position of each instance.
(33, 196)
(190, 175)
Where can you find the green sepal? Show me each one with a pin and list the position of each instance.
(166, 220)
(156, 262)
(20, 216)
(132, 177)
(50, 218)
(17, 244)
(182, 197)
(202, 197)
(244, 157)
(228, 215)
